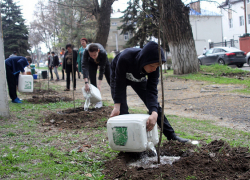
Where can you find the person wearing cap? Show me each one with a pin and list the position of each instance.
(139, 68)
(84, 42)
(95, 55)
(14, 65)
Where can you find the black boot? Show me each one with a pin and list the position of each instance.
(182, 140)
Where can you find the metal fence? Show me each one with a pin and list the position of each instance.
(230, 43)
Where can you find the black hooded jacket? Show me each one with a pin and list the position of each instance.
(129, 66)
(101, 61)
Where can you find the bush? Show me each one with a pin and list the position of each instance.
(110, 57)
(169, 61)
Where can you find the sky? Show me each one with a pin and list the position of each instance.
(28, 6)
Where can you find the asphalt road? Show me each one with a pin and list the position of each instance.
(246, 67)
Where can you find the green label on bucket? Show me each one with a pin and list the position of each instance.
(120, 135)
(27, 85)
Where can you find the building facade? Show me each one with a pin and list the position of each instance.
(116, 40)
(206, 27)
(235, 21)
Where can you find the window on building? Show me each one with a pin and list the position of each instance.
(249, 18)
(230, 23)
(114, 23)
(125, 36)
(241, 21)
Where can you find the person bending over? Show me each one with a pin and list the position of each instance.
(14, 65)
(95, 55)
(139, 68)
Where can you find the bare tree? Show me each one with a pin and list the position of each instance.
(102, 14)
(178, 33)
(42, 26)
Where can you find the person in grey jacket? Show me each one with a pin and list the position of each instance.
(95, 55)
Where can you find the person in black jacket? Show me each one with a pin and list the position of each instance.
(139, 68)
(95, 55)
(55, 64)
(14, 65)
(69, 60)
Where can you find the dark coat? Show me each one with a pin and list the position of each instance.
(101, 61)
(68, 67)
(55, 61)
(16, 64)
(129, 65)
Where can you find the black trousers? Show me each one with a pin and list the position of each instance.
(51, 73)
(141, 91)
(12, 82)
(62, 74)
(93, 70)
(68, 72)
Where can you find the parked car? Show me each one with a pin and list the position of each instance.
(223, 55)
(248, 58)
(41, 65)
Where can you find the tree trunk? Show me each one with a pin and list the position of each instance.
(102, 15)
(178, 32)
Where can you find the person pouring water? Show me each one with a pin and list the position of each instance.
(95, 55)
(14, 65)
(139, 68)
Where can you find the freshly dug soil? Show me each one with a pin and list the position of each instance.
(44, 91)
(48, 99)
(216, 160)
(78, 118)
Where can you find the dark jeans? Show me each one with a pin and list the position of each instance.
(68, 72)
(78, 73)
(12, 83)
(51, 73)
(141, 91)
(93, 70)
(62, 74)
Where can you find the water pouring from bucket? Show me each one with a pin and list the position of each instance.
(91, 97)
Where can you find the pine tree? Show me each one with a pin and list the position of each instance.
(15, 32)
(140, 21)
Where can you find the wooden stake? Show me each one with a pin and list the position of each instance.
(162, 87)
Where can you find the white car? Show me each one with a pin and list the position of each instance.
(41, 65)
(248, 58)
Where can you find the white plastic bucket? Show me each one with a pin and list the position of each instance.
(128, 133)
(39, 74)
(25, 83)
(94, 94)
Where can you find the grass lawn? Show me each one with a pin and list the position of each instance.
(28, 152)
(219, 74)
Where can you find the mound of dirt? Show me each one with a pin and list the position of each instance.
(48, 99)
(216, 160)
(78, 118)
